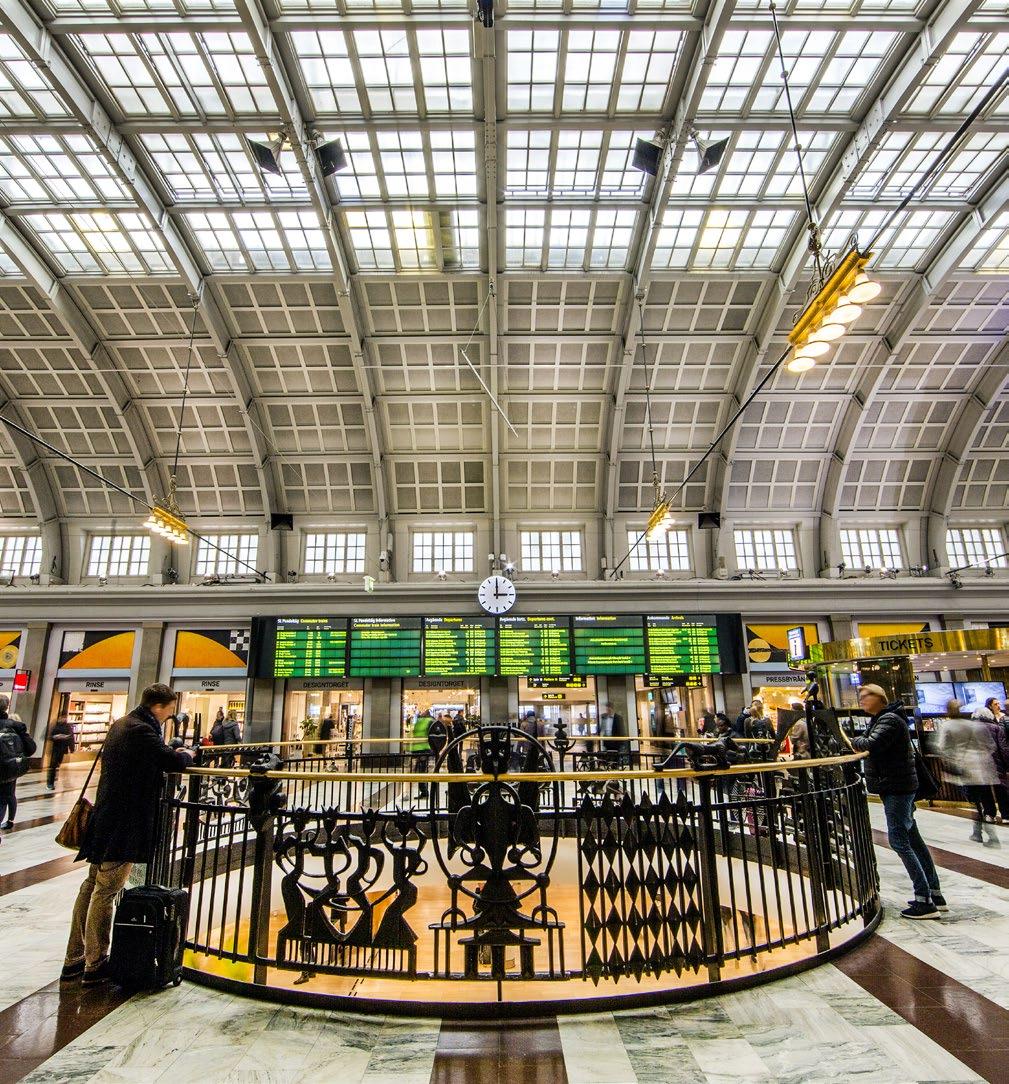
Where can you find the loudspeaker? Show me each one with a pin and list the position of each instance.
(707, 521)
(281, 521)
(331, 158)
(646, 157)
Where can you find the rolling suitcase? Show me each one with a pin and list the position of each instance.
(148, 937)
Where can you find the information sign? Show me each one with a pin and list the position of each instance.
(539, 646)
(385, 646)
(682, 645)
(613, 644)
(459, 645)
(310, 647)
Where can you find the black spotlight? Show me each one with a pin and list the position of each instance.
(647, 156)
(485, 13)
(332, 157)
(710, 154)
(267, 155)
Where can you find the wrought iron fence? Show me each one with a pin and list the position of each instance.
(510, 860)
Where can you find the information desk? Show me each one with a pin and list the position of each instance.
(539, 646)
(385, 646)
(459, 646)
(612, 644)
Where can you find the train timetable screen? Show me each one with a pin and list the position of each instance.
(682, 645)
(385, 646)
(609, 644)
(538, 645)
(310, 647)
(456, 646)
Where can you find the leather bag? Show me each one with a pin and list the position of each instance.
(74, 830)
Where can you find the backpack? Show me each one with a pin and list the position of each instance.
(217, 733)
(13, 762)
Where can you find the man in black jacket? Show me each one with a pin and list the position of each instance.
(890, 773)
(23, 746)
(121, 830)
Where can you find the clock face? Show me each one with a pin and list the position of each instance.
(496, 594)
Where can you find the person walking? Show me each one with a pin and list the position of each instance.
(420, 748)
(611, 725)
(62, 742)
(890, 773)
(121, 831)
(1000, 758)
(16, 746)
(970, 754)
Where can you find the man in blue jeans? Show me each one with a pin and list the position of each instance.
(890, 773)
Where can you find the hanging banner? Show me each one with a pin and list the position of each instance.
(767, 645)
(216, 650)
(10, 647)
(97, 649)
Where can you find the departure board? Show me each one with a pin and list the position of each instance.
(385, 646)
(682, 645)
(310, 647)
(613, 644)
(539, 646)
(458, 646)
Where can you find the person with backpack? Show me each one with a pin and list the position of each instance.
(226, 731)
(16, 746)
(62, 742)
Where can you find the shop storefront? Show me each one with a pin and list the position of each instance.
(672, 705)
(209, 669)
(309, 702)
(571, 701)
(767, 655)
(92, 683)
(439, 696)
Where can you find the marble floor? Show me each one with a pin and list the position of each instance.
(919, 1002)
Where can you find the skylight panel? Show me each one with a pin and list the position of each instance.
(903, 244)
(453, 162)
(371, 239)
(261, 240)
(568, 236)
(741, 239)
(446, 70)
(902, 157)
(990, 252)
(584, 162)
(532, 69)
(8, 268)
(360, 179)
(524, 236)
(619, 178)
(414, 238)
(460, 238)
(326, 69)
(528, 162)
(647, 68)
(102, 242)
(58, 169)
(577, 161)
(403, 164)
(209, 166)
(590, 67)
(24, 89)
(961, 76)
(612, 236)
(386, 69)
(676, 237)
(736, 69)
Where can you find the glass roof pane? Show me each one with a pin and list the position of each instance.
(902, 157)
(460, 239)
(123, 242)
(532, 69)
(990, 252)
(903, 244)
(190, 75)
(260, 240)
(446, 70)
(360, 179)
(568, 236)
(572, 162)
(203, 166)
(56, 169)
(413, 236)
(736, 69)
(524, 235)
(741, 239)
(962, 75)
(612, 237)
(325, 67)
(24, 90)
(676, 237)
(371, 239)
(8, 268)
(453, 161)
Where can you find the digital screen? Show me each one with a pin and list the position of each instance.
(682, 645)
(973, 694)
(459, 645)
(672, 681)
(385, 646)
(572, 681)
(534, 645)
(932, 696)
(797, 643)
(310, 647)
(612, 644)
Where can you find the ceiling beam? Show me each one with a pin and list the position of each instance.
(688, 84)
(920, 55)
(280, 82)
(46, 53)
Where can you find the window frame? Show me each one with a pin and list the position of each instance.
(865, 547)
(442, 556)
(234, 562)
(334, 552)
(27, 558)
(994, 557)
(646, 558)
(115, 551)
(778, 536)
(552, 549)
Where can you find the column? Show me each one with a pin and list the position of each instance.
(34, 643)
(147, 658)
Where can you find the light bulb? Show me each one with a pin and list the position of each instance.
(828, 331)
(846, 311)
(800, 364)
(812, 349)
(864, 289)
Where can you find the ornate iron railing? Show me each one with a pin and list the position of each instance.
(495, 864)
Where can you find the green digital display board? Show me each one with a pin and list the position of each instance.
(310, 647)
(457, 646)
(536, 645)
(385, 646)
(609, 644)
(682, 645)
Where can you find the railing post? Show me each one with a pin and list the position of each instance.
(262, 883)
(815, 843)
(711, 908)
(191, 832)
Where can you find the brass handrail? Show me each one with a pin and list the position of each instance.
(473, 733)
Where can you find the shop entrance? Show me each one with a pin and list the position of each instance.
(205, 705)
(668, 707)
(324, 714)
(438, 698)
(554, 700)
(90, 707)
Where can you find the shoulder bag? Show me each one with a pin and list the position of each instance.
(75, 827)
(928, 788)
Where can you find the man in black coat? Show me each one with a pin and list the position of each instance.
(122, 826)
(890, 773)
(24, 747)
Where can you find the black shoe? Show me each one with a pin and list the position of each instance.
(98, 976)
(916, 910)
(49, 786)
(72, 972)
(939, 901)
(8, 826)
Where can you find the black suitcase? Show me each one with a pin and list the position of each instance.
(148, 937)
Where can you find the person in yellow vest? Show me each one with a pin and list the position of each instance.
(420, 748)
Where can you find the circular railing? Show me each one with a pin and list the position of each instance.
(511, 874)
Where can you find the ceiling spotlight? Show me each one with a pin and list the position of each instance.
(846, 312)
(332, 157)
(267, 155)
(864, 289)
(801, 363)
(710, 154)
(169, 525)
(661, 520)
(647, 156)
